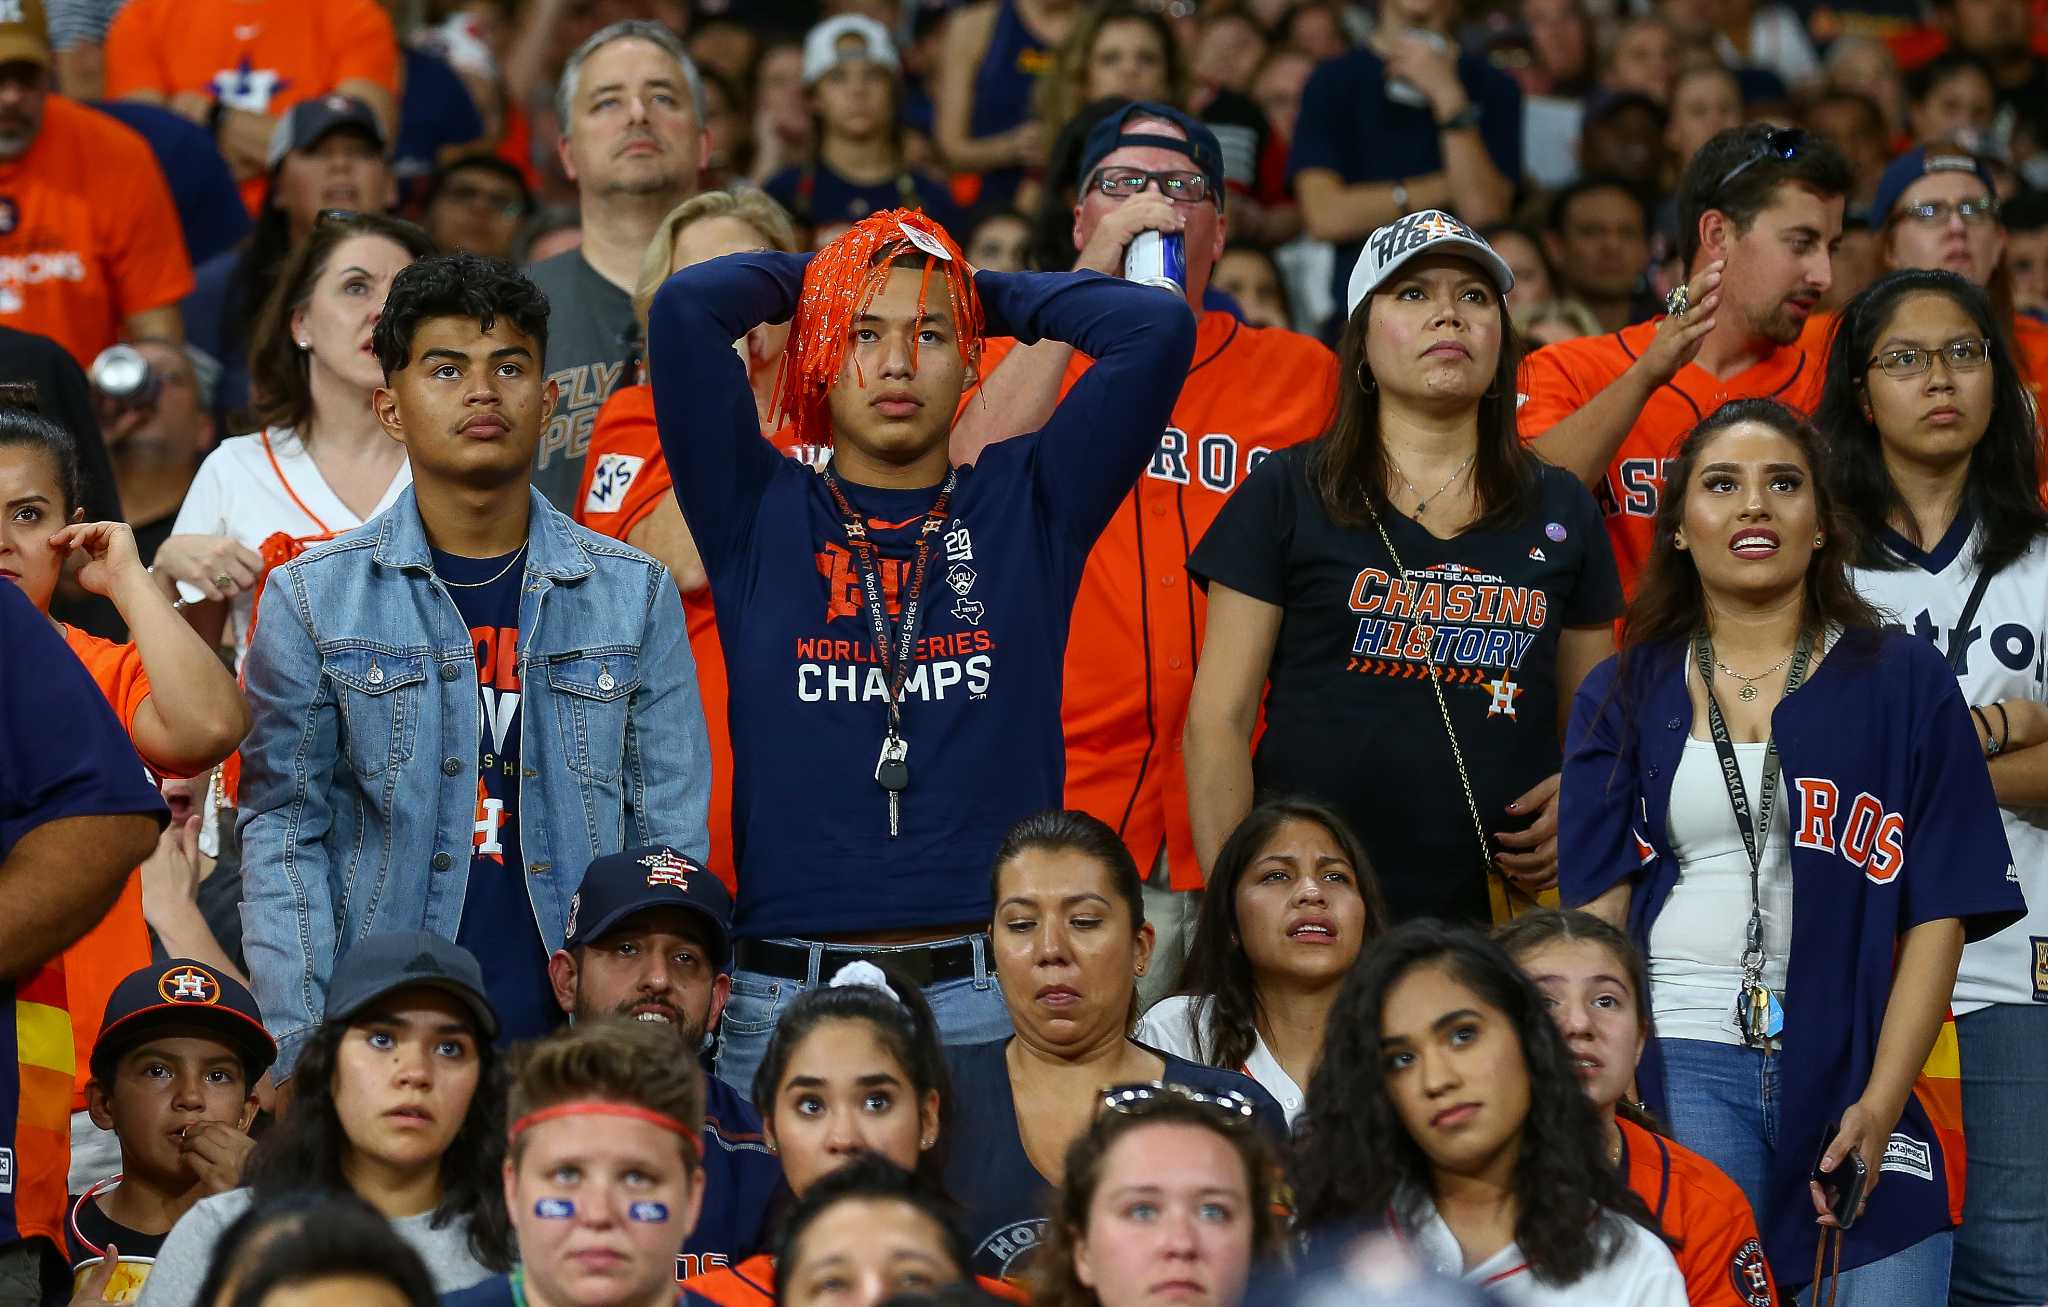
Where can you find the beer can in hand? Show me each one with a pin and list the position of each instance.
(1158, 258)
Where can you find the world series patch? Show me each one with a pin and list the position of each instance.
(2040, 968)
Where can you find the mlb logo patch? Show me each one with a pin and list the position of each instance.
(189, 984)
(666, 868)
(610, 481)
(6, 1170)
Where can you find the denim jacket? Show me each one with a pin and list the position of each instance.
(359, 776)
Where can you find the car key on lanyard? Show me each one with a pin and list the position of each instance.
(892, 768)
(892, 773)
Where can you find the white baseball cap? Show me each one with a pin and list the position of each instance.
(1432, 231)
(825, 45)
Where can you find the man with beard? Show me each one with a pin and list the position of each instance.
(1760, 211)
(649, 939)
(632, 119)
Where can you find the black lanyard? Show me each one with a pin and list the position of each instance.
(896, 663)
(1754, 835)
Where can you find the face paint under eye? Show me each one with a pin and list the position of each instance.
(652, 1213)
(554, 1209)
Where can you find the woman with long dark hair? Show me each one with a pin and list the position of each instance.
(1070, 941)
(1411, 598)
(1447, 1107)
(1934, 454)
(1787, 805)
(398, 1098)
(1166, 1187)
(1597, 987)
(1289, 906)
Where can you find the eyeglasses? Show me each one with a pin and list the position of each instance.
(503, 204)
(1963, 355)
(1180, 187)
(1777, 143)
(337, 218)
(1232, 1110)
(1170, 8)
(1936, 213)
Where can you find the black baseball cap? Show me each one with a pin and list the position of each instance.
(618, 885)
(306, 122)
(187, 995)
(405, 959)
(1200, 146)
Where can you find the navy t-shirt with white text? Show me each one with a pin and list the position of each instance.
(498, 924)
(981, 708)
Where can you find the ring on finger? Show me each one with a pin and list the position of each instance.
(1679, 301)
(223, 581)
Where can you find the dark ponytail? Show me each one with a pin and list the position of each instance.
(902, 1023)
(22, 425)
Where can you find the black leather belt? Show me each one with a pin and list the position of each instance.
(923, 965)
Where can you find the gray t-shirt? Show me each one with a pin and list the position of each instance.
(591, 336)
(187, 1254)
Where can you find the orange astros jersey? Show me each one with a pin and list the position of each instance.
(1718, 1249)
(262, 56)
(1137, 624)
(625, 478)
(1559, 379)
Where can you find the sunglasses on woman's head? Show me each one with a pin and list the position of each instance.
(1232, 1110)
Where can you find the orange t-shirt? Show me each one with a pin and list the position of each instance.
(119, 944)
(1137, 626)
(263, 56)
(1720, 1254)
(1559, 379)
(752, 1284)
(625, 478)
(88, 233)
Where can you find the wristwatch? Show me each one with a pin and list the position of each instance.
(1459, 121)
(1401, 198)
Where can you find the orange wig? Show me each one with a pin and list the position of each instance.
(839, 283)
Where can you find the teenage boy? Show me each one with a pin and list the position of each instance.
(371, 799)
(174, 1072)
(923, 739)
(604, 1179)
(649, 938)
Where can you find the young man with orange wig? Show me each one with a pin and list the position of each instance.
(895, 627)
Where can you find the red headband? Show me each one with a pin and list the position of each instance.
(839, 282)
(601, 1107)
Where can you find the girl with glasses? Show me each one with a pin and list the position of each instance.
(1935, 456)
(1447, 1109)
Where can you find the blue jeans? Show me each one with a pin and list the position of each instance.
(968, 1011)
(2002, 1247)
(1722, 1101)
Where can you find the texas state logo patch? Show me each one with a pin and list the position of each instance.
(1746, 1270)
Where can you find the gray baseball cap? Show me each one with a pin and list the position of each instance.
(405, 959)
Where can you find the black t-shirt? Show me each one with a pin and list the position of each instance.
(991, 1176)
(1351, 718)
(100, 1230)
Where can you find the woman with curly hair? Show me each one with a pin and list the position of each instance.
(398, 1098)
(1447, 1109)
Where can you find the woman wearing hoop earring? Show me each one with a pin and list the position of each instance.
(1412, 598)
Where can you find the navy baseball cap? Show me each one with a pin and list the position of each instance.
(618, 885)
(307, 122)
(186, 995)
(1201, 145)
(1923, 161)
(405, 959)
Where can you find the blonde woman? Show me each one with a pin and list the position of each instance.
(626, 490)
